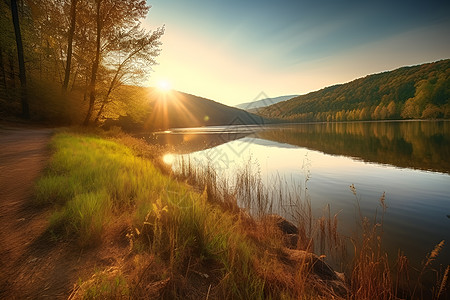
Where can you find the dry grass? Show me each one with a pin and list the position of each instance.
(216, 241)
(371, 274)
(443, 284)
(182, 243)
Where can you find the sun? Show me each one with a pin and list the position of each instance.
(163, 85)
(169, 158)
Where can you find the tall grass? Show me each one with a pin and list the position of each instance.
(88, 180)
(371, 272)
(374, 271)
(187, 242)
(245, 191)
(91, 182)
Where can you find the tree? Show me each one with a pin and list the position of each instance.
(391, 110)
(7, 46)
(22, 73)
(73, 14)
(410, 109)
(95, 64)
(112, 17)
(431, 111)
(136, 49)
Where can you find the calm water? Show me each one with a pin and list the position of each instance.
(408, 161)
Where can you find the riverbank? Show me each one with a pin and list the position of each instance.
(127, 229)
(163, 237)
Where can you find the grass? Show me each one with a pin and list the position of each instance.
(109, 283)
(92, 182)
(371, 272)
(88, 180)
(194, 243)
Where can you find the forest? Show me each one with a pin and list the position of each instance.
(417, 92)
(418, 145)
(70, 62)
(86, 62)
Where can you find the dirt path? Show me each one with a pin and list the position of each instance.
(33, 265)
(23, 155)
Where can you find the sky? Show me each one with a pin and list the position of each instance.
(239, 51)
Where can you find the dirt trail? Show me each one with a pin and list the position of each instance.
(33, 265)
(23, 255)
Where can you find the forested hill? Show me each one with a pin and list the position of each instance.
(176, 109)
(153, 109)
(417, 92)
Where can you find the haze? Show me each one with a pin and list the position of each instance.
(231, 51)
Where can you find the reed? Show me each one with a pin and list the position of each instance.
(213, 238)
(175, 232)
(371, 273)
(443, 284)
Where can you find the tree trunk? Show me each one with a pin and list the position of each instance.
(12, 73)
(94, 67)
(73, 13)
(111, 86)
(4, 87)
(114, 81)
(74, 78)
(100, 111)
(22, 75)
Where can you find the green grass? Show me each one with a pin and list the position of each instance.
(88, 180)
(175, 232)
(106, 284)
(91, 181)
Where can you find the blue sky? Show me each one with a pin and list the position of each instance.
(231, 51)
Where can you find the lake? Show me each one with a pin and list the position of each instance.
(407, 161)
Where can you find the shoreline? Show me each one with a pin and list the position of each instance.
(270, 235)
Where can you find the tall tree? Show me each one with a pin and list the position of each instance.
(95, 64)
(135, 50)
(73, 14)
(22, 74)
(112, 18)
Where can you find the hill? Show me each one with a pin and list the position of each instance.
(263, 102)
(416, 92)
(152, 109)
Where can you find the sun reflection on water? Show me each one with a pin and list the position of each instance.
(168, 158)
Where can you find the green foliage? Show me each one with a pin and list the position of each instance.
(418, 92)
(423, 145)
(126, 57)
(88, 179)
(91, 182)
(83, 215)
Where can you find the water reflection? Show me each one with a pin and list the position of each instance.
(187, 140)
(319, 161)
(417, 144)
(421, 145)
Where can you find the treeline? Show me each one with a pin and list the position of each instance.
(407, 144)
(418, 92)
(78, 58)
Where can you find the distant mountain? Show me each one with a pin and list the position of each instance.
(416, 92)
(152, 109)
(263, 102)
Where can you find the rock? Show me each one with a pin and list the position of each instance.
(319, 269)
(291, 240)
(284, 225)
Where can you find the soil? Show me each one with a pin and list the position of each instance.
(23, 156)
(34, 265)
